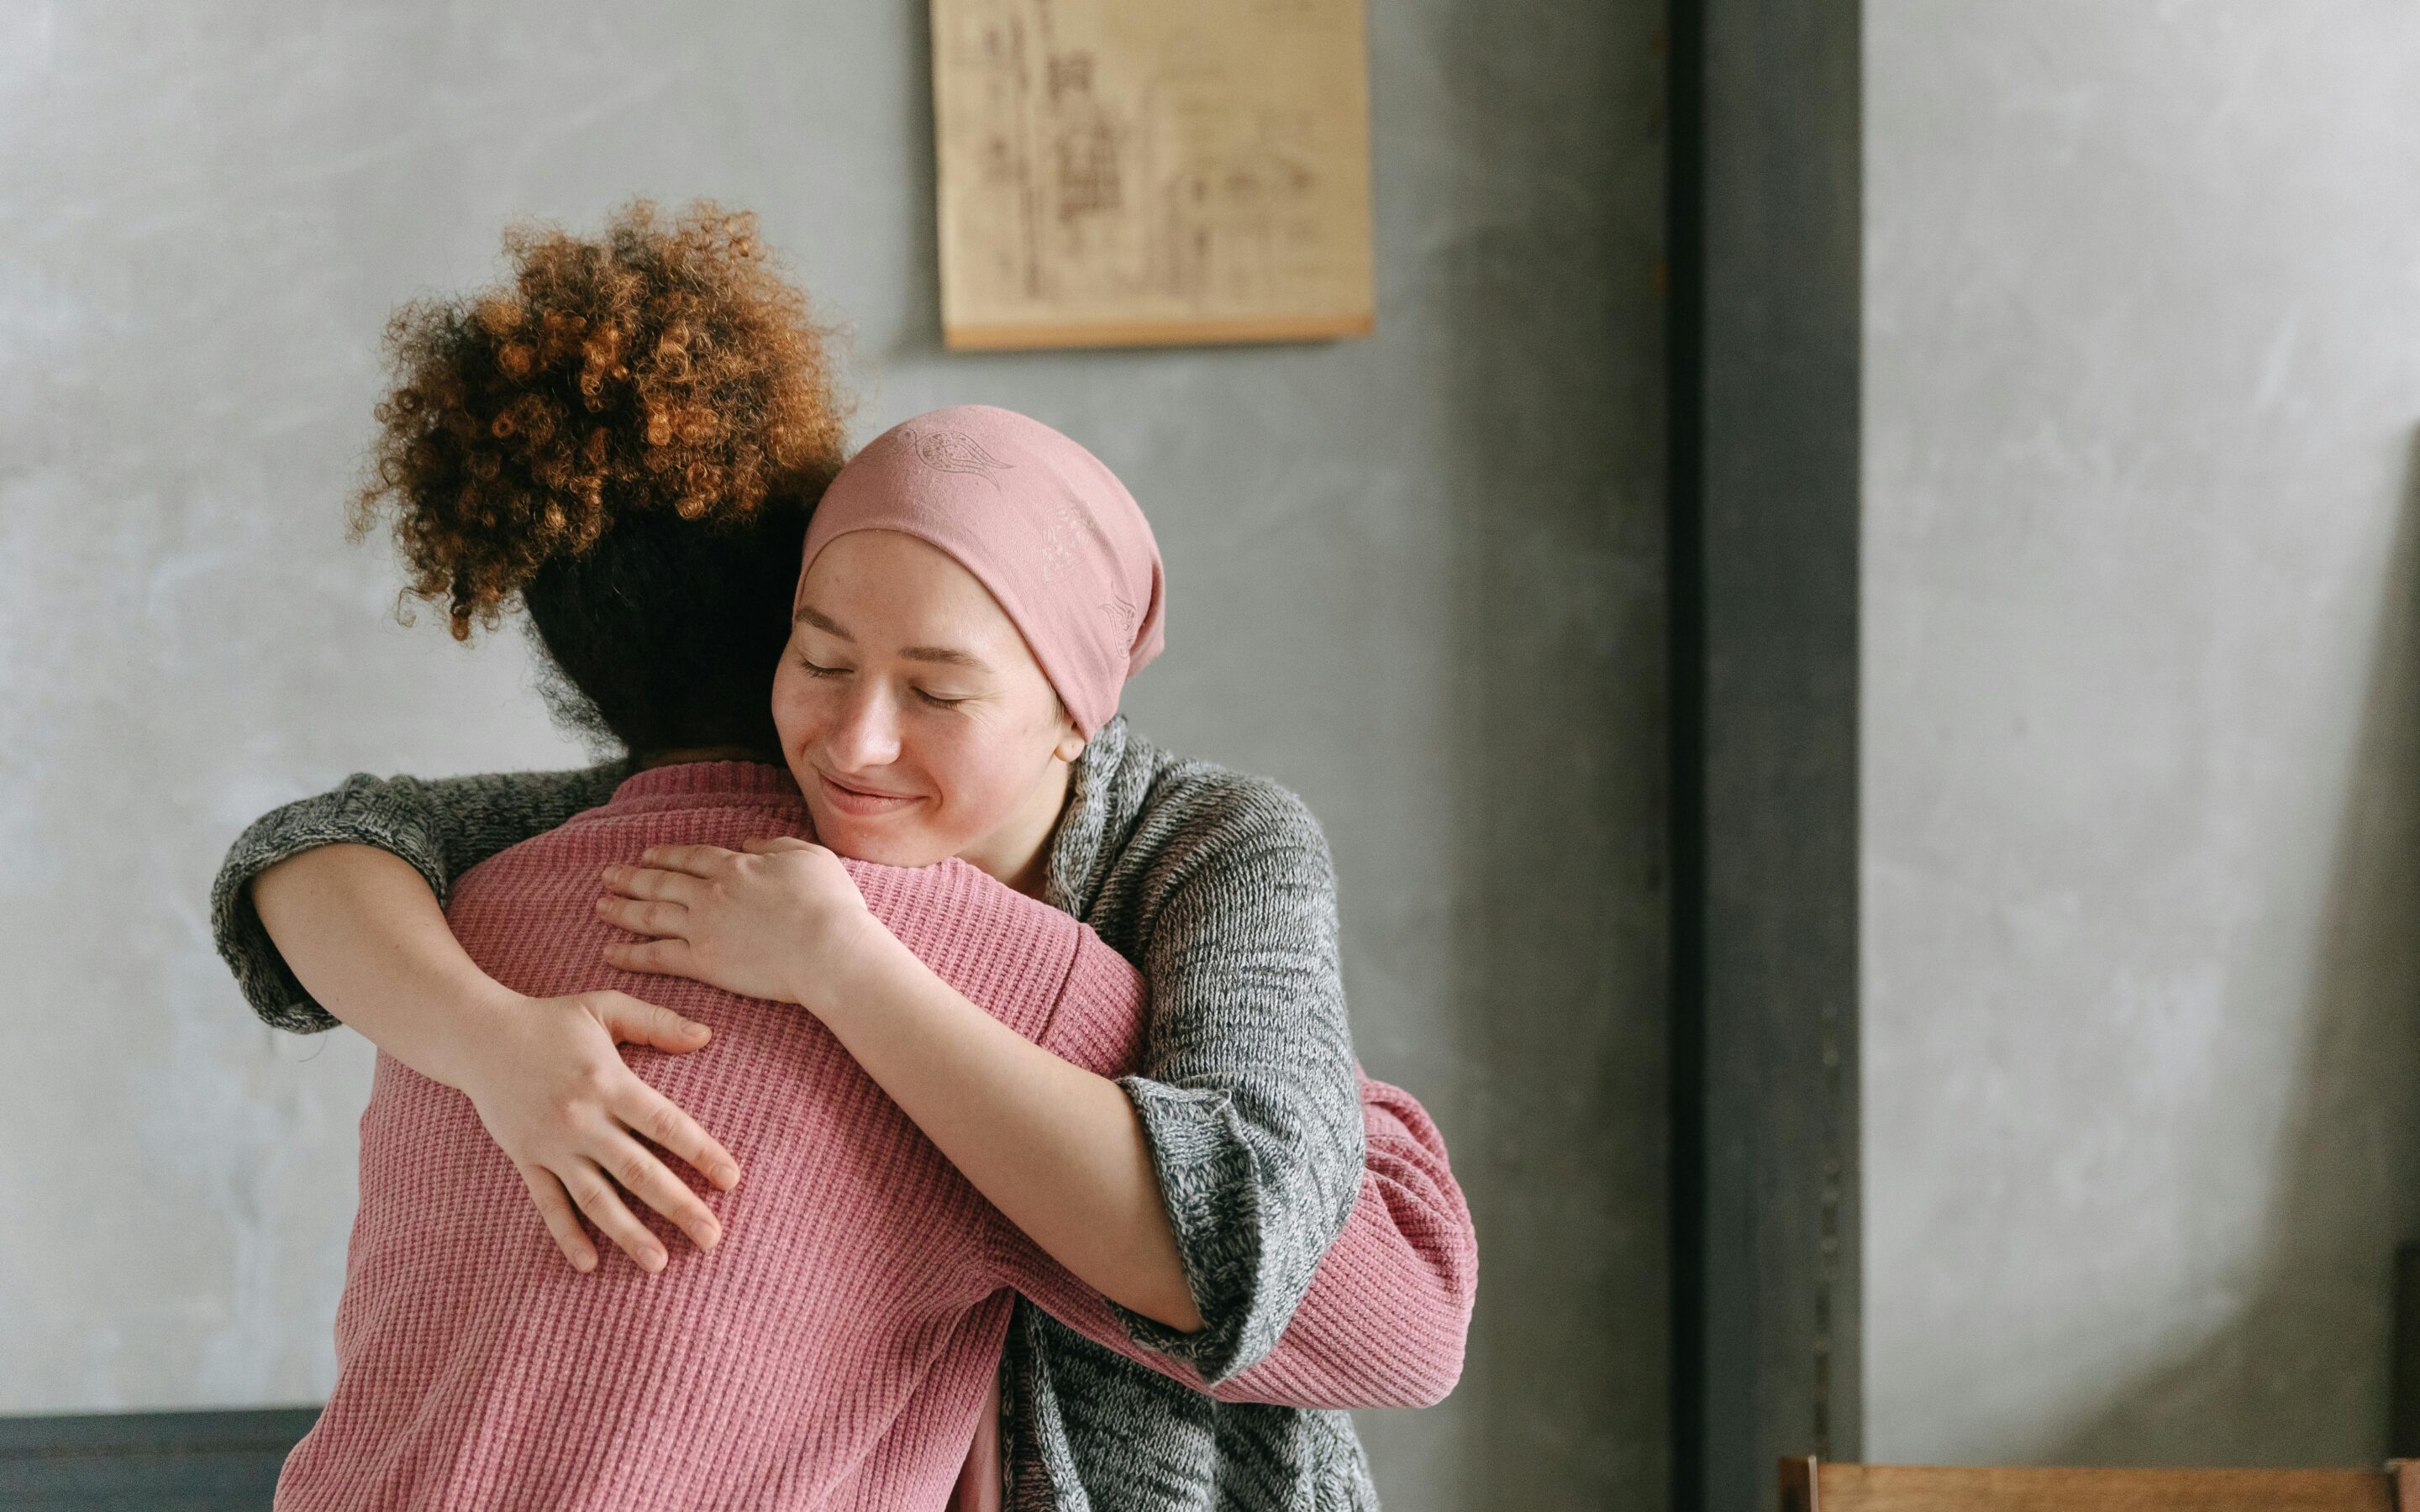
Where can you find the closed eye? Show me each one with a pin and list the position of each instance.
(814, 670)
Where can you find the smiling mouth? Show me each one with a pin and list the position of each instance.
(858, 802)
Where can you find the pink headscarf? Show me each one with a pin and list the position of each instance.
(1039, 521)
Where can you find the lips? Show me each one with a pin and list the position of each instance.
(860, 803)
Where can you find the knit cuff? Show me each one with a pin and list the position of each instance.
(353, 815)
(1210, 1180)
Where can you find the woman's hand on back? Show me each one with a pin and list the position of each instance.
(556, 1096)
(779, 919)
(365, 934)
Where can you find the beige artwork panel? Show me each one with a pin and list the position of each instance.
(1151, 172)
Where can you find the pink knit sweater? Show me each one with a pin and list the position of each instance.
(835, 1349)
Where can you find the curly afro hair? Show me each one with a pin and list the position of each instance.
(626, 437)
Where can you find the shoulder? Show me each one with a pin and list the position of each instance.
(1216, 808)
(1196, 822)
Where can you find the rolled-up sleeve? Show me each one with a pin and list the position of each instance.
(441, 827)
(1388, 1314)
(1249, 1096)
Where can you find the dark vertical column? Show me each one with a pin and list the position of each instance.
(2403, 1392)
(1765, 241)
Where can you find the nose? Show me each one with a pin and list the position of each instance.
(867, 735)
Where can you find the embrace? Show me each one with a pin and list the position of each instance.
(988, 1134)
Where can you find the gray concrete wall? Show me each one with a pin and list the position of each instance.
(2142, 748)
(1417, 577)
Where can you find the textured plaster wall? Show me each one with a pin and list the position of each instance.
(1418, 578)
(2142, 748)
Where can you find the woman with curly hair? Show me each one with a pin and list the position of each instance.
(628, 441)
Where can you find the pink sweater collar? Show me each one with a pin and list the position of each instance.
(707, 785)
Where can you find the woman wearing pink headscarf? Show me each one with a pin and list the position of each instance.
(974, 590)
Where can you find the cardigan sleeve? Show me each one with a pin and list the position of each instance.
(1249, 1094)
(443, 827)
(1387, 1312)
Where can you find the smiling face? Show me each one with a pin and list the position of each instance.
(913, 716)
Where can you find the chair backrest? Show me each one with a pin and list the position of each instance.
(1810, 1485)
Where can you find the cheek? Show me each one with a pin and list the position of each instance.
(965, 762)
(983, 770)
(801, 707)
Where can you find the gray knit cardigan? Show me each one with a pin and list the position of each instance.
(1218, 887)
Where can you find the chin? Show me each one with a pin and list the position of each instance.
(860, 841)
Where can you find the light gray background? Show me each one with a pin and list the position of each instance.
(2142, 870)
(1418, 578)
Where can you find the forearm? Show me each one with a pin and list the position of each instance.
(364, 933)
(1056, 1148)
(441, 827)
(1388, 1314)
(1386, 1317)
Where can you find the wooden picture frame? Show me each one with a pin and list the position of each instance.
(1112, 174)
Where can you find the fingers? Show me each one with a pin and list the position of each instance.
(591, 1189)
(656, 1116)
(635, 1169)
(696, 860)
(652, 883)
(632, 1022)
(642, 918)
(774, 845)
(662, 958)
(561, 1222)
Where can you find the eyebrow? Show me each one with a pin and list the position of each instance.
(942, 655)
(821, 623)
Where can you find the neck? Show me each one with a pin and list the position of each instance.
(1018, 852)
(679, 754)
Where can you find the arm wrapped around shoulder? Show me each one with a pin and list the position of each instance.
(442, 828)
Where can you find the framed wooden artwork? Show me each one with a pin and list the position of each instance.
(1151, 172)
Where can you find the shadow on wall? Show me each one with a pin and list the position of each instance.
(2300, 1373)
(1553, 337)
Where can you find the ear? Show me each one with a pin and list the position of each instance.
(1071, 740)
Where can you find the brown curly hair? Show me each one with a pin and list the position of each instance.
(662, 369)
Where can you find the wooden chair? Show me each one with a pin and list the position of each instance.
(1808, 1486)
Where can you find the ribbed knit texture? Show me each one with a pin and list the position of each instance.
(1219, 888)
(831, 1353)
